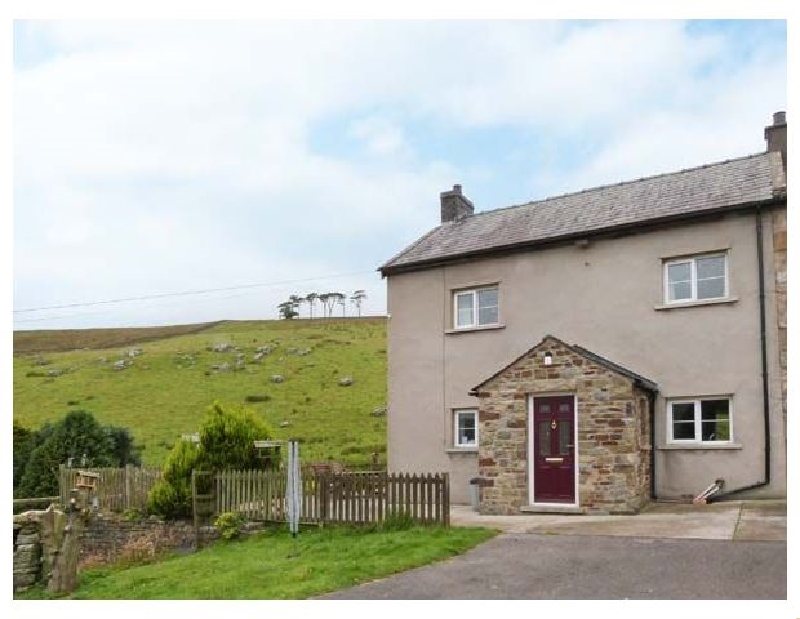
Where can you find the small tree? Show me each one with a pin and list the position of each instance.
(341, 299)
(286, 310)
(311, 299)
(327, 300)
(78, 434)
(226, 438)
(357, 298)
(296, 302)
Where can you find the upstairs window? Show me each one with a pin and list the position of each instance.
(700, 421)
(475, 308)
(697, 278)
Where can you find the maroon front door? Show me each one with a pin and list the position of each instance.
(554, 449)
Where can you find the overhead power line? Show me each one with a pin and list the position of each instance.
(186, 293)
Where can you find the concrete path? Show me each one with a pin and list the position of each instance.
(530, 566)
(740, 520)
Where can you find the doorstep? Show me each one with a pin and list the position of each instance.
(552, 509)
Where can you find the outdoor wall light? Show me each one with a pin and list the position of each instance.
(548, 358)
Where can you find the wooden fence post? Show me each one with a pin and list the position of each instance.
(128, 482)
(446, 499)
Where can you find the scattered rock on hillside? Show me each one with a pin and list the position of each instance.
(42, 361)
(222, 367)
(379, 412)
(277, 378)
(258, 357)
(134, 352)
(285, 423)
(120, 365)
(346, 381)
(222, 347)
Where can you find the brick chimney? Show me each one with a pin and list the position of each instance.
(455, 205)
(775, 135)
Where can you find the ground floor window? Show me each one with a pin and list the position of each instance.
(700, 420)
(465, 426)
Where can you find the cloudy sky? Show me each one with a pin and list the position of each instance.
(162, 157)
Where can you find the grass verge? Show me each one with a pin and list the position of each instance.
(260, 566)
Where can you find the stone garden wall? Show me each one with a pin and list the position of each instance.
(107, 538)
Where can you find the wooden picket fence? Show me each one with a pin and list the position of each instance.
(351, 497)
(118, 489)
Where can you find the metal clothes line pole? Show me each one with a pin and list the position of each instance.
(293, 492)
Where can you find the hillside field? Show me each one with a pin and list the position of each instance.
(165, 391)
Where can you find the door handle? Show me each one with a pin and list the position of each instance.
(554, 460)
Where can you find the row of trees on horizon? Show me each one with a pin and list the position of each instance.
(290, 308)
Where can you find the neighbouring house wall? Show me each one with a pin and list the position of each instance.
(613, 469)
(604, 298)
(779, 261)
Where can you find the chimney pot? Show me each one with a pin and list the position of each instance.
(779, 118)
(457, 188)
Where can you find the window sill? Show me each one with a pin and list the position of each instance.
(473, 329)
(669, 306)
(462, 450)
(699, 446)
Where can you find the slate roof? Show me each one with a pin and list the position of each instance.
(729, 184)
(638, 379)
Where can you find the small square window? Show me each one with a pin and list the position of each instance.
(474, 308)
(696, 279)
(465, 426)
(705, 420)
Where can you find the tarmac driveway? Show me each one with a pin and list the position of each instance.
(731, 550)
(531, 566)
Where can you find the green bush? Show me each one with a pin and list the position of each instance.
(230, 525)
(226, 438)
(226, 442)
(172, 496)
(38, 454)
(77, 434)
(169, 501)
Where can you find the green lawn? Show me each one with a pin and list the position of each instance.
(162, 396)
(259, 567)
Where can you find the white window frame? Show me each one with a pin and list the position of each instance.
(475, 310)
(457, 413)
(692, 261)
(698, 424)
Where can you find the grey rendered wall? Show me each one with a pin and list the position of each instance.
(604, 298)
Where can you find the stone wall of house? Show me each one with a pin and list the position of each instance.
(614, 466)
(779, 256)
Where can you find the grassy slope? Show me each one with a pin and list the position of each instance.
(260, 567)
(160, 397)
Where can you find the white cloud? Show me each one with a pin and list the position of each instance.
(161, 156)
